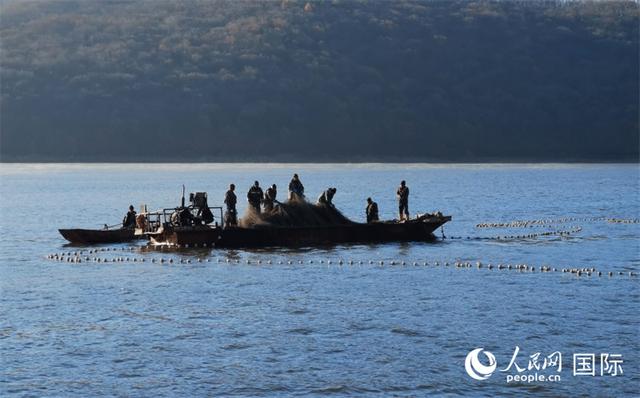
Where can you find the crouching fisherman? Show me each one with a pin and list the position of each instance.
(270, 198)
(230, 199)
(372, 211)
(129, 220)
(326, 199)
(255, 196)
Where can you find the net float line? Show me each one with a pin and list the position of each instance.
(566, 232)
(77, 258)
(545, 222)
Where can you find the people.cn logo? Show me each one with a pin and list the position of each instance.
(477, 369)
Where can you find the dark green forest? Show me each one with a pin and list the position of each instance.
(339, 80)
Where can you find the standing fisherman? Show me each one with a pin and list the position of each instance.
(270, 198)
(129, 220)
(255, 196)
(230, 199)
(403, 201)
(372, 211)
(296, 189)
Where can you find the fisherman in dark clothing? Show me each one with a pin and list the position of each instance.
(230, 199)
(255, 196)
(129, 220)
(403, 201)
(372, 211)
(296, 189)
(327, 197)
(270, 198)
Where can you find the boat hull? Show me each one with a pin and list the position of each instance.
(237, 237)
(92, 236)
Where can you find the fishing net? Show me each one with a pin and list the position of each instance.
(295, 213)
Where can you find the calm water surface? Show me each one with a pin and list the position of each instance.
(237, 329)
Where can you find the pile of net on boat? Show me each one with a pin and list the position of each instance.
(295, 213)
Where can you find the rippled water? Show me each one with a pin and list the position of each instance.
(231, 328)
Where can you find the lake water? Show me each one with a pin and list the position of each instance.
(230, 326)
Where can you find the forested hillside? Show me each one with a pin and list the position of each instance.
(319, 81)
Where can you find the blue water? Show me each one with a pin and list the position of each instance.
(226, 327)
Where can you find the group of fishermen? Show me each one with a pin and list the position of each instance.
(257, 197)
(268, 199)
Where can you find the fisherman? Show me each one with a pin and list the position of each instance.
(270, 198)
(204, 213)
(326, 198)
(403, 201)
(372, 211)
(129, 221)
(230, 199)
(255, 196)
(296, 189)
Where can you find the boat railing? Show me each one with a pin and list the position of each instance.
(152, 221)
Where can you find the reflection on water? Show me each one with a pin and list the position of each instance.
(276, 322)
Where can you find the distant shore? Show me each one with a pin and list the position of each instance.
(320, 159)
(327, 161)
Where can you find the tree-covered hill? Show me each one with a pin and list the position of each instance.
(339, 80)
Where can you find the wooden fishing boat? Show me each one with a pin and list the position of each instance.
(291, 224)
(419, 229)
(92, 236)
